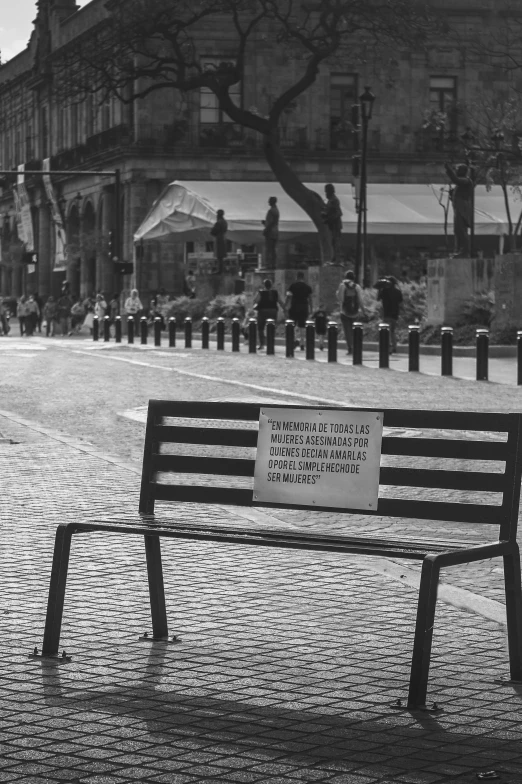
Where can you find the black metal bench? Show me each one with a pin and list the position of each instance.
(482, 437)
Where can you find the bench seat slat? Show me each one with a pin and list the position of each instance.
(388, 507)
(416, 418)
(449, 420)
(290, 539)
(248, 412)
(398, 477)
(444, 480)
(443, 447)
(391, 445)
(192, 464)
(212, 436)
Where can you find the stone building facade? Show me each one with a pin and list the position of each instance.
(161, 138)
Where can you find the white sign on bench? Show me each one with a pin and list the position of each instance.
(318, 457)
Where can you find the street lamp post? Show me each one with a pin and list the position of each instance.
(366, 103)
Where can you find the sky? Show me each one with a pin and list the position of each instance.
(16, 25)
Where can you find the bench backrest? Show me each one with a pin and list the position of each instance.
(489, 440)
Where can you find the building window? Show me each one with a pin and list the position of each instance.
(443, 99)
(44, 132)
(209, 111)
(343, 95)
(105, 115)
(89, 116)
(29, 150)
(74, 124)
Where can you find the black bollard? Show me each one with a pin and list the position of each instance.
(205, 330)
(290, 338)
(482, 354)
(157, 331)
(332, 341)
(172, 332)
(270, 336)
(236, 334)
(384, 345)
(357, 333)
(144, 330)
(519, 357)
(446, 351)
(188, 332)
(413, 347)
(117, 328)
(310, 340)
(130, 329)
(220, 334)
(252, 336)
(106, 329)
(95, 328)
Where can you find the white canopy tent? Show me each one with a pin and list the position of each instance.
(188, 209)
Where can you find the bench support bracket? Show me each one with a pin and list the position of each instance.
(513, 589)
(420, 664)
(156, 589)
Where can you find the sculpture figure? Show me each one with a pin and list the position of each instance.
(462, 201)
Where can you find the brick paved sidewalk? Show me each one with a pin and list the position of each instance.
(287, 670)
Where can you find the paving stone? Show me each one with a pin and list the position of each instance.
(288, 666)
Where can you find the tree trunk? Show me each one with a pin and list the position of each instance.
(310, 201)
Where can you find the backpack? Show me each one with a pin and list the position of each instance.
(350, 299)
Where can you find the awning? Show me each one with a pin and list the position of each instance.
(189, 209)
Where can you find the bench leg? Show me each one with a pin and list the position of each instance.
(513, 590)
(53, 619)
(156, 589)
(420, 664)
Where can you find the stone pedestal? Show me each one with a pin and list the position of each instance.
(452, 282)
(508, 290)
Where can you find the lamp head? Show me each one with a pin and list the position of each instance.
(367, 100)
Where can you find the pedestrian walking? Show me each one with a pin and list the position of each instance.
(21, 312)
(50, 316)
(271, 233)
(64, 306)
(189, 285)
(100, 307)
(266, 303)
(320, 318)
(332, 215)
(133, 306)
(4, 321)
(349, 297)
(113, 310)
(77, 315)
(298, 303)
(390, 295)
(218, 231)
(32, 313)
(40, 303)
(160, 305)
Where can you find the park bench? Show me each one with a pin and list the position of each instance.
(488, 440)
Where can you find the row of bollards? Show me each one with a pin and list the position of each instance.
(482, 340)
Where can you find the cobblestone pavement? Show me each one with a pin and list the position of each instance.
(288, 668)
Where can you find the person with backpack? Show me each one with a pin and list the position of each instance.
(299, 304)
(266, 303)
(349, 297)
(389, 293)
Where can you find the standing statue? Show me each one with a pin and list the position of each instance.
(218, 231)
(271, 233)
(462, 200)
(332, 215)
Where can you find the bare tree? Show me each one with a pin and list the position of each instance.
(144, 46)
(494, 151)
